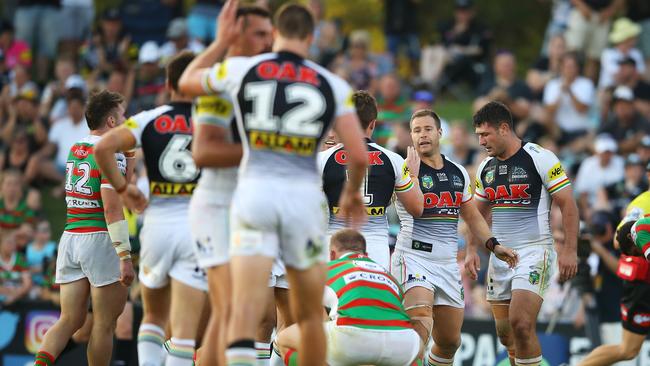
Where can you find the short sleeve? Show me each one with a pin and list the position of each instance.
(550, 170)
(403, 181)
(213, 110)
(121, 165)
(583, 89)
(343, 94)
(478, 183)
(224, 76)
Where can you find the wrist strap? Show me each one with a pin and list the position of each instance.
(491, 243)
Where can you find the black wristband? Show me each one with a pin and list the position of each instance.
(491, 243)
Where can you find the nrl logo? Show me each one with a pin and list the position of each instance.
(533, 278)
(427, 182)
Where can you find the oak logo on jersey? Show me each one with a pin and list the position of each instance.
(374, 158)
(427, 182)
(444, 200)
(179, 124)
(556, 171)
(287, 72)
(262, 140)
(510, 192)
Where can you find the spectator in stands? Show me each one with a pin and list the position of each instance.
(567, 100)
(15, 280)
(149, 81)
(638, 11)
(15, 51)
(201, 20)
(76, 20)
(618, 195)
(19, 82)
(24, 235)
(121, 81)
(465, 46)
(357, 65)
(392, 104)
(401, 29)
(14, 206)
(643, 150)
(179, 40)
(623, 37)
(503, 85)
(37, 23)
(67, 131)
(108, 48)
(546, 67)
(588, 27)
(598, 171)
(23, 115)
(629, 76)
(17, 155)
(326, 45)
(461, 149)
(55, 90)
(626, 125)
(40, 252)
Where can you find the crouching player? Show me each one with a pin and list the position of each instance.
(634, 239)
(368, 324)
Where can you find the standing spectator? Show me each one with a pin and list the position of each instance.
(598, 171)
(502, 85)
(202, 19)
(55, 90)
(557, 25)
(108, 48)
(401, 28)
(179, 40)
(37, 23)
(568, 99)
(623, 37)
(40, 252)
(626, 125)
(76, 20)
(357, 65)
(15, 51)
(639, 11)
(588, 26)
(67, 131)
(14, 207)
(149, 81)
(15, 281)
(546, 67)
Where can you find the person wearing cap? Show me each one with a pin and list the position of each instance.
(629, 76)
(567, 100)
(23, 111)
(597, 171)
(179, 40)
(623, 38)
(626, 125)
(588, 27)
(149, 89)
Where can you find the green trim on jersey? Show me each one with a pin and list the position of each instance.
(12, 219)
(641, 235)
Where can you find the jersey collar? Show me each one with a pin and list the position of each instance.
(352, 255)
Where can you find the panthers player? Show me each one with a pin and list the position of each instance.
(87, 265)
(516, 183)
(387, 173)
(165, 135)
(284, 106)
(424, 261)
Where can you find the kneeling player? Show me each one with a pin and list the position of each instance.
(634, 240)
(368, 325)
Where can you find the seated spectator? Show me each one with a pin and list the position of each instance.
(588, 26)
(55, 89)
(357, 65)
(149, 80)
(40, 252)
(392, 105)
(503, 85)
(15, 280)
(623, 37)
(67, 131)
(567, 100)
(14, 204)
(618, 195)
(50, 290)
(546, 67)
(23, 115)
(598, 171)
(179, 40)
(626, 125)
(629, 76)
(15, 51)
(108, 48)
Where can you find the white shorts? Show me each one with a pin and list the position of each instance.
(347, 346)
(209, 223)
(532, 273)
(167, 251)
(279, 221)
(278, 276)
(89, 255)
(443, 279)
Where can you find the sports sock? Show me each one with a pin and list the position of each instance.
(534, 361)
(44, 359)
(434, 360)
(122, 352)
(241, 353)
(263, 353)
(276, 359)
(150, 344)
(180, 352)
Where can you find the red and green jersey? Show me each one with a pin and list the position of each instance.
(12, 219)
(368, 297)
(11, 272)
(83, 185)
(641, 234)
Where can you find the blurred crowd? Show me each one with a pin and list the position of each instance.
(587, 98)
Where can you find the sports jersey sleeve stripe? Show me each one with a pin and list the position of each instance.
(478, 184)
(404, 188)
(559, 186)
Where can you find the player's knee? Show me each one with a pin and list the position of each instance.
(421, 318)
(76, 321)
(522, 327)
(629, 351)
(504, 332)
(449, 344)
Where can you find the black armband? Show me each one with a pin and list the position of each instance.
(491, 243)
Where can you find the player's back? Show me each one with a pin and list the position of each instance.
(165, 135)
(83, 183)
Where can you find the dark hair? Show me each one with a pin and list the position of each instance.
(574, 56)
(294, 21)
(245, 10)
(366, 106)
(100, 106)
(176, 66)
(494, 114)
(348, 239)
(425, 113)
(75, 94)
(624, 239)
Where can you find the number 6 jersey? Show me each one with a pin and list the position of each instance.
(165, 135)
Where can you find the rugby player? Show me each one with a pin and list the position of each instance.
(367, 321)
(284, 106)
(87, 263)
(425, 259)
(173, 288)
(633, 237)
(387, 174)
(515, 185)
(217, 150)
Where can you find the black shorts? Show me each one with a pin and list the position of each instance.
(635, 307)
